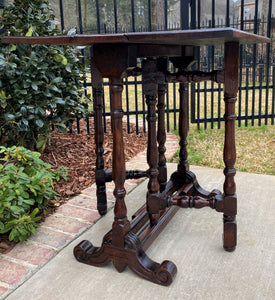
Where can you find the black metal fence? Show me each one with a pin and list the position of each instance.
(257, 62)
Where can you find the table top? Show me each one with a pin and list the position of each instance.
(192, 37)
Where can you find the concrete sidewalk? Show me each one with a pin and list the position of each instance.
(192, 240)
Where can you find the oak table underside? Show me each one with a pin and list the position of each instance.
(115, 57)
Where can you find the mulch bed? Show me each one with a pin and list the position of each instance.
(76, 151)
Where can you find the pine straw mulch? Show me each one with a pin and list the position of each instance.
(76, 151)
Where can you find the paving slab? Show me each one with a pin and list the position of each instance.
(192, 240)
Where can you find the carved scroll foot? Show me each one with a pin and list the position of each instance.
(144, 267)
(86, 253)
(132, 255)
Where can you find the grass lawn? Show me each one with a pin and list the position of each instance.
(255, 148)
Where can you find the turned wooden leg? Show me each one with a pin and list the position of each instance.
(97, 84)
(231, 65)
(152, 159)
(99, 139)
(161, 137)
(183, 166)
(121, 225)
(150, 91)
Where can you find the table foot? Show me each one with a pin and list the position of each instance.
(132, 255)
(101, 199)
(229, 233)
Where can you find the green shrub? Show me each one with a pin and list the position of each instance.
(40, 85)
(26, 186)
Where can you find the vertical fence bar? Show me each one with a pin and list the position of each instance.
(192, 85)
(199, 15)
(247, 66)
(80, 25)
(136, 105)
(165, 15)
(104, 111)
(184, 14)
(242, 14)
(267, 82)
(254, 63)
(149, 16)
(268, 61)
(205, 69)
(193, 13)
(97, 17)
(167, 110)
(273, 92)
(220, 67)
(133, 15)
(241, 70)
(143, 113)
(61, 14)
(261, 71)
(175, 105)
(227, 18)
(213, 25)
(198, 65)
(115, 15)
(127, 104)
(213, 14)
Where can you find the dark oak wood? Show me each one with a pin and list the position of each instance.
(161, 137)
(150, 91)
(181, 37)
(97, 85)
(115, 56)
(231, 66)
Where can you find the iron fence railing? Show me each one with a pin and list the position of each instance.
(256, 98)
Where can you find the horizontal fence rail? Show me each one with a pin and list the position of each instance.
(256, 98)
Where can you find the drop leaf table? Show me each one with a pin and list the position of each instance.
(117, 56)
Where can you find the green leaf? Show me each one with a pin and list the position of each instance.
(57, 80)
(68, 68)
(13, 48)
(34, 212)
(30, 32)
(34, 86)
(41, 143)
(2, 226)
(61, 58)
(39, 123)
(60, 101)
(28, 201)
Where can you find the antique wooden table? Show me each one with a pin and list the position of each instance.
(115, 56)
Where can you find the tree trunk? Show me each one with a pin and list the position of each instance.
(158, 14)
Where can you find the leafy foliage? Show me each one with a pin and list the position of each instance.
(26, 186)
(40, 85)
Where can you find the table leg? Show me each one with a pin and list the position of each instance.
(152, 159)
(231, 65)
(161, 137)
(121, 224)
(97, 84)
(99, 139)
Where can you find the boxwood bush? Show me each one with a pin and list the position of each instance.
(40, 85)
